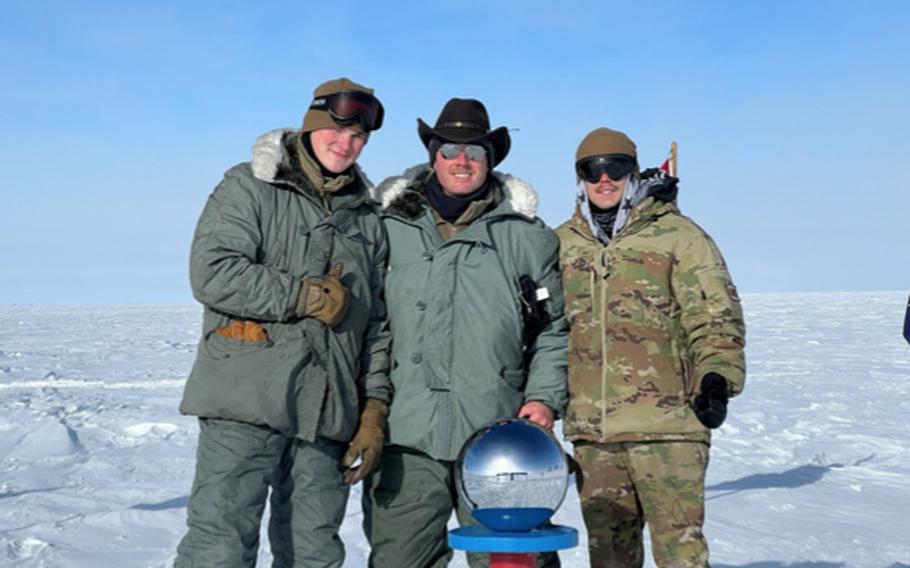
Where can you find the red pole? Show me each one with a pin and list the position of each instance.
(513, 560)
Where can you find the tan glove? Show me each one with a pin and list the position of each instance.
(367, 442)
(323, 297)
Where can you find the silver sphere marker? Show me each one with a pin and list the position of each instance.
(512, 475)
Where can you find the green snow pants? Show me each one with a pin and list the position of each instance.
(629, 484)
(407, 503)
(236, 463)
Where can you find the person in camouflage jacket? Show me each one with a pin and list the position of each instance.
(655, 351)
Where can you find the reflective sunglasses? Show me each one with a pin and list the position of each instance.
(348, 106)
(474, 152)
(616, 166)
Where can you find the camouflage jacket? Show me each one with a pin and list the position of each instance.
(651, 313)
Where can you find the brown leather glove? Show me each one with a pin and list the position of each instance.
(323, 297)
(367, 442)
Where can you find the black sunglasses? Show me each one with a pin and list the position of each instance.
(348, 106)
(616, 166)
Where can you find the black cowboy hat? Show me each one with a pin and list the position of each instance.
(465, 121)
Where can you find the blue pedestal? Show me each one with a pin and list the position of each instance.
(546, 539)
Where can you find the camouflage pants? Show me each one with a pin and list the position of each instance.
(629, 484)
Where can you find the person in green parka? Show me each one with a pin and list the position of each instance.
(479, 334)
(290, 382)
(655, 352)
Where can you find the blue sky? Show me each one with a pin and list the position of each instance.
(118, 118)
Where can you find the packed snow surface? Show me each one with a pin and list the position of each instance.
(811, 470)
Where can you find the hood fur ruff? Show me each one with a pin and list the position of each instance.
(520, 194)
(270, 156)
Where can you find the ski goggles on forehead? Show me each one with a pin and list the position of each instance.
(349, 106)
(616, 166)
(474, 152)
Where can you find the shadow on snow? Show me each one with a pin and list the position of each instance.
(175, 503)
(10, 494)
(790, 479)
(771, 564)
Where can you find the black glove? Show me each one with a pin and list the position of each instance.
(710, 405)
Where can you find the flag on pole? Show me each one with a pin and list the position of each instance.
(669, 164)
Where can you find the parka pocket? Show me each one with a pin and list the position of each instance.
(244, 380)
(222, 347)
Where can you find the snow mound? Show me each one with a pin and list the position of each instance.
(24, 549)
(47, 439)
(160, 429)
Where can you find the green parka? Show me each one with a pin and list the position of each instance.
(263, 229)
(651, 312)
(458, 360)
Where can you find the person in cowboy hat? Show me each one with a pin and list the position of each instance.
(290, 382)
(478, 330)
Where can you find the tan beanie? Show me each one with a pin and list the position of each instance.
(603, 141)
(316, 119)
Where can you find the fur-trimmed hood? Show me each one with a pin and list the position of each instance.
(403, 195)
(272, 163)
